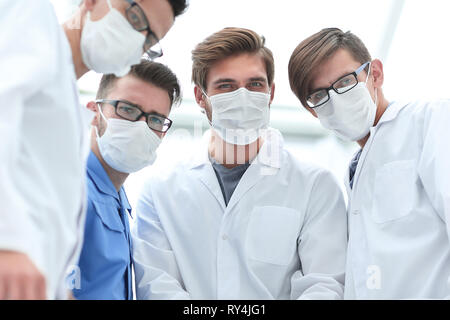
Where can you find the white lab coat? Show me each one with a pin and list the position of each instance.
(42, 147)
(283, 234)
(399, 208)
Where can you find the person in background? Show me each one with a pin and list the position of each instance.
(241, 218)
(398, 183)
(131, 118)
(44, 145)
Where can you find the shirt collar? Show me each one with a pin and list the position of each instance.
(269, 154)
(103, 183)
(124, 201)
(100, 177)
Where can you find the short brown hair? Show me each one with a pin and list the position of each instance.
(151, 72)
(226, 43)
(315, 50)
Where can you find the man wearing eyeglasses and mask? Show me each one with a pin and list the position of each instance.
(131, 118)
(398, 183)
(45, 146)
(241, 218)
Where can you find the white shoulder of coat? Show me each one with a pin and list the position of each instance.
(304, 169)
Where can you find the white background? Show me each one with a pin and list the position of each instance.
(416, 64)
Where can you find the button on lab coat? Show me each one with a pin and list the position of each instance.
(399, 208)
(283, 234)
(42, 147)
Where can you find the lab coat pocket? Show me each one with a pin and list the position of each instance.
(272, 234)
(394, 191)
(109, 216)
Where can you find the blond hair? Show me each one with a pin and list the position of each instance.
(225, 43)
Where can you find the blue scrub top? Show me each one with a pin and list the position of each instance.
(105, 262)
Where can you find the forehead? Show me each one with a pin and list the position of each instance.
(338, 65)
(239, 68)
(148, 96)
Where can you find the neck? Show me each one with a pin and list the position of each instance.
(117, 178)
(72, 29)
(380, 111)
(230, 155)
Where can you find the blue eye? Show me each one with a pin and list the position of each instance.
(318, 96)
(155, 120)
(344, 82)
(128, 112)
(127, 109)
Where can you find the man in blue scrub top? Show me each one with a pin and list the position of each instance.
(131, 118)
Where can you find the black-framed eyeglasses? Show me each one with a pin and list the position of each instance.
(340, 86)
(137, 18)
(132, 112)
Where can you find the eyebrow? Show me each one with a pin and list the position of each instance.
(228, 80)
(258, 79)
(225, 80)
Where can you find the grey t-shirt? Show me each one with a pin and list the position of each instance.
(228, 178)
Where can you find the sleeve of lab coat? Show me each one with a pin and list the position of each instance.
(156, 269)
(434, 163)
(26, 65)
(322, 243)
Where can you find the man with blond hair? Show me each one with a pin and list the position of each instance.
(241, 218)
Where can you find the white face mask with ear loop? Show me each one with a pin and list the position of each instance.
(239, 116)
(111, 45)
(127, 146)
(350, 115)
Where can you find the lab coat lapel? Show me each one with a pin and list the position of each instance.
(390, 114)
(250, 178)
(267, 163)
(202, 170)
(207, 176)
(347, 182)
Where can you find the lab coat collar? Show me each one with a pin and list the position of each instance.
(269, 154)
(103, 183)
(391, 112)
(268, 162)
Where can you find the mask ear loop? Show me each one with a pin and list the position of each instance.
(202, 109)
(109, 4)
(104, 118)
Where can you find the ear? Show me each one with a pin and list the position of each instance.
(93, 107)
(377, 73)
(200, 97)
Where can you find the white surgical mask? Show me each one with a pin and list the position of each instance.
(128, 146)
(350, 115)
(240, 116)
(111, 44)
